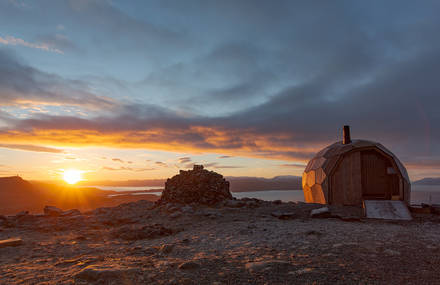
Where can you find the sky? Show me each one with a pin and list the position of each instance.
(140, 89)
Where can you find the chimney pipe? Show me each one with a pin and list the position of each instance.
(346, 135)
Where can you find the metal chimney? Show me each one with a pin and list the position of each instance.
(346, 139)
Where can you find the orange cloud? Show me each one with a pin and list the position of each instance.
(194, 139)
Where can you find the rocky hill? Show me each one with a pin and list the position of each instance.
(235, 242)
(245, 184)
(427, 181)
(188, 237)
(17, 194)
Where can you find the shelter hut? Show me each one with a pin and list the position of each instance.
(351, 171)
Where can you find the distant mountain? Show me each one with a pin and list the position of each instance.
(126, 183)
(246, 184)
(237, 184)
(427, 181)
(17, 194)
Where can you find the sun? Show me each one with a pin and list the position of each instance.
(72, 176)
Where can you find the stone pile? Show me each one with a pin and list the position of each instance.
(198, 186)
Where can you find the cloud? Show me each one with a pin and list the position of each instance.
(184, 159)
(21, 84)
(12, 41)
(214, 165)
(160, 163)
(35, 148)
(227, 166)
(282, 91)
(293, 165)
(122, 168)
(118, 160)
(224, 156)
(57, 42)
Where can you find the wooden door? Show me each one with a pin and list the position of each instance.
(376, 182)
(345, 182)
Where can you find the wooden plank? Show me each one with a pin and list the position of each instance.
(346, 184)
(355, 196)
(11, 242)
(386, 209)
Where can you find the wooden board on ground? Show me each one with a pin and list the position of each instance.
(11, 242)
(386, 209)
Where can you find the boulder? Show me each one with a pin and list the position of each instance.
(235, 203)
(198, 186)
(73, 212)
(22, 214)
(283, 215)
(323, 212)
(52, 211)
(107, 275)
(189, 265)
(166, 248)
(265, 265)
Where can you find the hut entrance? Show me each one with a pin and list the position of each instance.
(378, 181)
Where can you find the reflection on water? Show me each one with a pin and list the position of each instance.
(126, 189)
(429, 194)
(419, 194)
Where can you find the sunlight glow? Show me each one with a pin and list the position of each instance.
(72, 176)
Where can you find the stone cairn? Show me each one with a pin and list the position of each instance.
(196, 186)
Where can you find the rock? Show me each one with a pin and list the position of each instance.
(300, 271)
(187, 209)
(391, 252)
(144, 232)
(107, 275)
(323, 212)
(73, 212)
(166, 248)
(11, 242)
(264, 265)
(283, 215)
(52, 211)
(213, 214)
(5, 222)
(185, 281)
(185, 241)
(252, 204)
(175, 215)
(189, 265)
(22, 214)
(171, 208)
(277, 202)
(198, 186)
(235, 204)
(313, 233)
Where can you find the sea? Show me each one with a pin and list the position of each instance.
(429, 194)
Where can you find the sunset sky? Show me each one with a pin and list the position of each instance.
(140, 89)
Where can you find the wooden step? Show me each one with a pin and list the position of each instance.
(386, 209)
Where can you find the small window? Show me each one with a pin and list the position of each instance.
(391, 170)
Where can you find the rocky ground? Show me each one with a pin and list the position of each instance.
(236, 242)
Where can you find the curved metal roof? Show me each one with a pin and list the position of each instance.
(327, 158)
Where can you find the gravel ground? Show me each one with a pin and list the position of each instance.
(242, 242)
